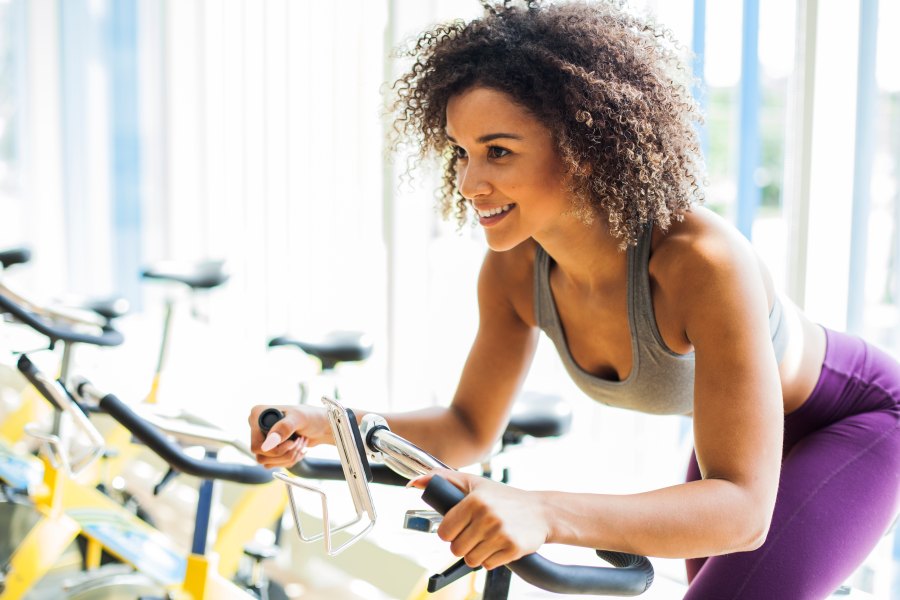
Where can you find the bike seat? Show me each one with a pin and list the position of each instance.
(108, 308)
(202, 275)
(538, 415)
(14, 256)
(260, 552)
(333, 348)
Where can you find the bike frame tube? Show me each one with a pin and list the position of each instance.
(204, 509)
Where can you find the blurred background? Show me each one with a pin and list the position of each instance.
(133, 131)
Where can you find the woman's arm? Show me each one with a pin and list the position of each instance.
(465, 431)
(738, 420)
(500, 356)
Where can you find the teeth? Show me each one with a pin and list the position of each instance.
(494, 211)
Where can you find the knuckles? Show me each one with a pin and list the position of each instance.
(444, 536)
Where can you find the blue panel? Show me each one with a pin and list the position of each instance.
(19, 25)
(698, 47)
(748, 135)
(132, 540)
(75, 49)
(125, 170)
(866, 106)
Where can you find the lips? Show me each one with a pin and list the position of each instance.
(488, 217)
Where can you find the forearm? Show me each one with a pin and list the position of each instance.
(700, 518)
(440, 431)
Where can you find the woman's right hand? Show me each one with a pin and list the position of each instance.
(277, 449)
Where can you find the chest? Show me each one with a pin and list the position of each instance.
(597, 328)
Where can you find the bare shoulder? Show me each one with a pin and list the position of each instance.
(507, 278)
(703, 261)
(699, 249)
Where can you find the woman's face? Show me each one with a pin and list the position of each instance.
(508, 167)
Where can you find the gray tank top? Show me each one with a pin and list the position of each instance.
(661, 382)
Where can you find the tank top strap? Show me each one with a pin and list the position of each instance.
(542, 300)
(640, 301)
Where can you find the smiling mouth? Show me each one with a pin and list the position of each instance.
(493, 215)
(494, 211)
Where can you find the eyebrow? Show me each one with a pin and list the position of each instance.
(490, 137)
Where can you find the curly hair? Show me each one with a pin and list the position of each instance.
(609, 85)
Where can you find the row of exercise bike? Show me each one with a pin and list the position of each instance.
(61, 494)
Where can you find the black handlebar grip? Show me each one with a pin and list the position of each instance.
(31, 373)
(175, 455)
(441, 495)
(329, 469)
(267, 420)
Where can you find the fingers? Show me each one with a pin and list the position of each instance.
(482, 543)
(500, 558)
(467, 525)
(273, 444)
(465, 482)
(476, 527)
(286, 454)
(420, 482)
(487, 555)
(276, 449)
(271, 441)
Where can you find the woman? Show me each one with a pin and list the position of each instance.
(569, 130)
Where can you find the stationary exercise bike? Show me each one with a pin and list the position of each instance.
(62, 508)
(373, 442)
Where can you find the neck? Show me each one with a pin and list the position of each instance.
(587, 256)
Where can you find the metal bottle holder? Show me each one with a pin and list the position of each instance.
(356, 449)
(59, 456)
(350, 446)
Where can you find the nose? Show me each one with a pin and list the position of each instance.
(472, 180)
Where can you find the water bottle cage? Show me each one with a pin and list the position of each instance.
(349, 445)
(59, 456)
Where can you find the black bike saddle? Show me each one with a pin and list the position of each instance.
(108, 308)
(538, 415)
(203, 275)
(14, 256)
(333, 348)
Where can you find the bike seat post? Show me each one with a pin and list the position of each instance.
(329, 381)
(205, 502)
(257, 580)
(65, 367)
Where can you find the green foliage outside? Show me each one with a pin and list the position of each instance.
(722, 127)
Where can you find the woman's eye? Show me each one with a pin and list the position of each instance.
(497, 152)
(459, 152)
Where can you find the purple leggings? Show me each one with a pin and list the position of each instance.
(840, 478)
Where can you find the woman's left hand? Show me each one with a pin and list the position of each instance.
(494, 524)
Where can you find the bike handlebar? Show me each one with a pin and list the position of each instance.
(324, 468)
(632, 575)
(632, 578)
(169, 451)
(108, 337)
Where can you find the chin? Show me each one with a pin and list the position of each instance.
(502, 244)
